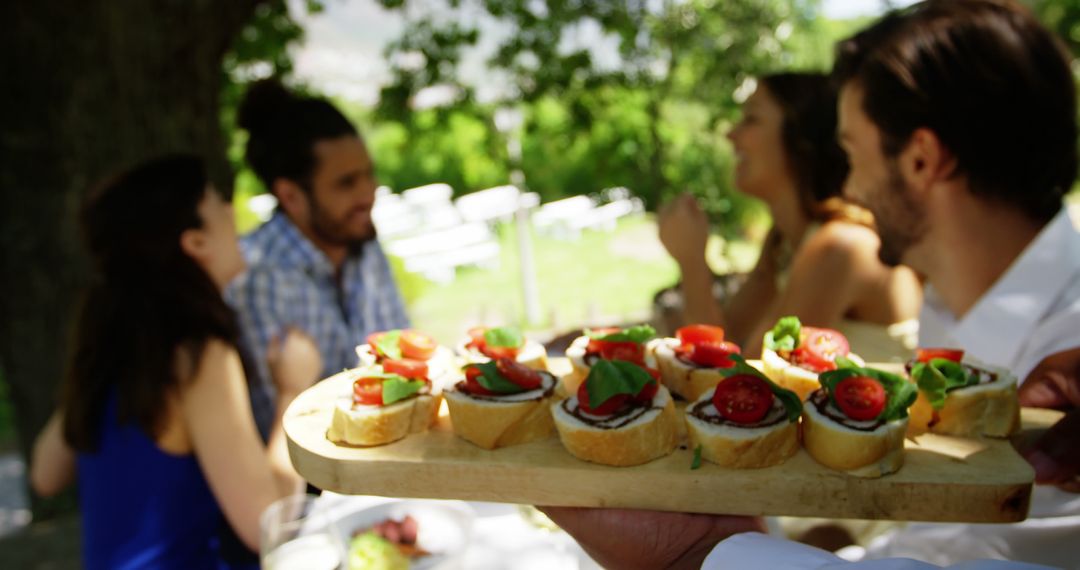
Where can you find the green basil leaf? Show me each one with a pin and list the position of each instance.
(396, 388)
(845, 362)
(638, 334)
(900, 394)
(696, 463)
(785, 335)
(493, 380)
(940, 376)
(389, 345)
(609, 378)
(508, 337)
(790, 400)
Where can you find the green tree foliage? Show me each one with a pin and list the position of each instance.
(653, 122)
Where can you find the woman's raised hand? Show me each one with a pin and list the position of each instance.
(684, 230)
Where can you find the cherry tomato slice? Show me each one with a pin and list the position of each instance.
(714, 355)
(476, 338)
(497, 352)
(417, 345)
(628, 351)
(649, 390)
(519, 374)
(472, 386)
(928, 354)
(368, 391)
(806, 359)
(608, 407)
(406, 367)
(860, 398)
(700, 334)
(373, 341)
(819, 349)
(743, 398)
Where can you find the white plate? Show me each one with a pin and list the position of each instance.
(444, 528)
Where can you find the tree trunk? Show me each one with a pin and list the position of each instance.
(89, 87)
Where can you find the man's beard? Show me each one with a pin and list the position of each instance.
(331, 231)
(900, 218)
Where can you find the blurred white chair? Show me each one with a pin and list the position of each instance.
(496, 204)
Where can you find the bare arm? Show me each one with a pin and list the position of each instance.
(244, 476)
(684, 232)
(52, 467)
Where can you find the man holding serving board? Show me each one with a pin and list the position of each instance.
(959, 121)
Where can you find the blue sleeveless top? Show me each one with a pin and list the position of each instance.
(142, 507)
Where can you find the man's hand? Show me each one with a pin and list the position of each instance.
(684, 230)
(622, 538)
(1055, 383)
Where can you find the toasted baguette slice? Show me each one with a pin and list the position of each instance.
(533, 355)
(492, 422)
(860, 453)
(794, 378)
(575, 353)
(990, 409)
(378, 425)
(651, 435)
(743, 447)
(684, 380)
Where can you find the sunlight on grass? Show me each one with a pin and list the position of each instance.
(602, 278)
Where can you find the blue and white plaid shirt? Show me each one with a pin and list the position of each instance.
(291, 283)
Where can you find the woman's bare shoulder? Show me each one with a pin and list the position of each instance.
(839, 238)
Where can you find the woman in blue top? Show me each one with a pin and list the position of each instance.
(155, 416)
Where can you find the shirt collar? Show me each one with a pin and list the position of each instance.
(995, 328)
(296, 250)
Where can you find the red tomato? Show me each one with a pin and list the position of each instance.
(649, 390)
(609, 407)
(406, 367)
(519, 374)
(928, 354)
(497, 352)
(743, 398)
(472, 386)
(715, 355)
(700, 334)
(417, 345)
(476, 337)
(860, 398)
(373, 342)
(819, 349)
(368, 391)
(628, 351)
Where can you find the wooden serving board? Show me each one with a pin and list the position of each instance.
(944, 478)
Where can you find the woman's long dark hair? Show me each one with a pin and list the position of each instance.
(819, 165)
(148, 303)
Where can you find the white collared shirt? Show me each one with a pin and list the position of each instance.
(1031, 312)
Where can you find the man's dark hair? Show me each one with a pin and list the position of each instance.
(283, 128)
(991, 82)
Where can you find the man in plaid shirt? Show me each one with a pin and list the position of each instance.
(315, 265)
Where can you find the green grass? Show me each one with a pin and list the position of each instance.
(602, 278)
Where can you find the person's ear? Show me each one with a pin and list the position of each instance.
(291, 197)
(193, 242)
(925, 161)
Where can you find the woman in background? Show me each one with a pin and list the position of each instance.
(155, 416)
(820, 260)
